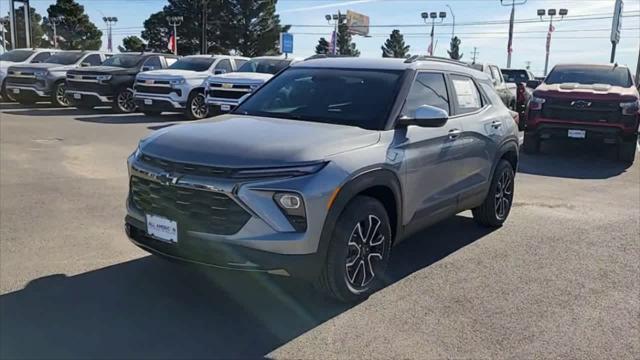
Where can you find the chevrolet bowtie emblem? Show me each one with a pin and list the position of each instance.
(148, 81)
(167, 179)
(581, 104)
(227, 86)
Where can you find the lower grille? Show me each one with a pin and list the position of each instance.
(194, 210)
(226, 94)
(89, 87)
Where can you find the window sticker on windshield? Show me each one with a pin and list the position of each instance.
(467, 93)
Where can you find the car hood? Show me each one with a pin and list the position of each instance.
(171, 74)
(43, 66)
(247, 141)
(105, 69)
(5, 64)
(582, 90)
(238, 78)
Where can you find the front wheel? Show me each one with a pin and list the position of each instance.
(359, 251)
(197, 107)
(497, 205)
(123, 103)
(59, 98)
(6, 96)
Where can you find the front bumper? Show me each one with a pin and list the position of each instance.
(596, 134)
(88, 96)
(158, 103)
(27, 91)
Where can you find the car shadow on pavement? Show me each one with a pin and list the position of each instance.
(18, 106)
(131, 119)
(50, 111)
(152, 308)
(573, 160)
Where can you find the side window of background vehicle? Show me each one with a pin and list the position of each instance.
(41, 57)
(240, 62)
(427, 89)
(467, 95)
(223, 67)
(495, 74)
(153, 63)
(170, 61)
(92, 60)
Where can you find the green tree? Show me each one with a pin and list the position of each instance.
(75, 31)
(255, 27)
(395, 46)
(323, 46)
(454, 51)
(133, 44)
(38, 38)
(344, 43)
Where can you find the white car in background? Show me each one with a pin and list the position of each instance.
(20, 56)
(226, 90)
(180, 87)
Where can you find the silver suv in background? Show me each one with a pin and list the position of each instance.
(226, 90)
(29, 83)
(323, 169)
(181, 86)
(506, 91)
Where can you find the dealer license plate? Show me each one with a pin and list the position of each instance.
(162, 228)
(577, 134)
(148, 101)
(225, 107)
(16, 91)
(77, 96)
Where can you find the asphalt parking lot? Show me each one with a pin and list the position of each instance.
(560, 280)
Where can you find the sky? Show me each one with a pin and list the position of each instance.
(575, 39)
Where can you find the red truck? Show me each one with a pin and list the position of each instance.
(598, 103)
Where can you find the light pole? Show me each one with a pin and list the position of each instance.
(453, 16)
(337, 20)
(175, 21)
(109, 20)
(433, 16)
(551, 13)
(205, 49)
(513, 13)
(55, 20)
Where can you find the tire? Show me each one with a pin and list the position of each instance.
(351, 259)
(123, 102)
(58, 97)
(196, 107)
(531, 143)
(627, 150)
(497, 205)
(5, 95)
(152, 113)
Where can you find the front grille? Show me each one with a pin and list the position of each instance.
(101, 89)
(21, 80)
(597, 111)
(193, 210)
(156, 90)
(221, 94)
(186, 169)
(230, 86)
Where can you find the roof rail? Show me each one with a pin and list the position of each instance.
(326, 56)
(415, 58)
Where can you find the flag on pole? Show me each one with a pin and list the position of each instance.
(430, 49)
(172, 43)
(551, 29)
(510, 44)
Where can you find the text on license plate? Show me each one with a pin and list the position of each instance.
(162, 228)
(77, 96)
(148, 101)
(577, 134)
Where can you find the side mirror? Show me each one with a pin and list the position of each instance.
(219, 72)
(426, 116)
(85, 64)
(147, 68)
(533, 83)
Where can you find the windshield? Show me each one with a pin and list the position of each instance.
(589, 75)
(515, 76)
(123, 60)
(64, 58)
(193, 64)
(265, 66)
(16, 55)
(361, 98)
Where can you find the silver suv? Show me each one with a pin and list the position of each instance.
(323, 169)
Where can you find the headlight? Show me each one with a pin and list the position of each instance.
(103, 77)
(176, 82)
(292, 206)
(41, 73)
(280, 172)
(536, 103)
(630, 108)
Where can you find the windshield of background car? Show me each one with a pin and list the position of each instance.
(64, 58)
(515, 76)
(353, 97)
(123, 60)
(589, 75)
(16, 55)
(264, 66)
(193, 64)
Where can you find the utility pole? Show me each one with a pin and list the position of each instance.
(475, 54)
(638, 71)
(205, 48)
(528, 65)
(110, 20)
(175, 21)
(337, 20)
(511, 19)
(55, 20)
(433, 16)
(551, 13)
(616, 28)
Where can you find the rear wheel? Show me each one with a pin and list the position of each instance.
(497, 205)
(627, 150)
(197, 108)
(123, 103)
(359, 251)
(59, 98)
(531, 143)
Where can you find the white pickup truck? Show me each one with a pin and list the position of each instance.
(19, 56)
(226, 90)
(180, 87)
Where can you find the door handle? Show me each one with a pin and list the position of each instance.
(454, 133)
(496, 124)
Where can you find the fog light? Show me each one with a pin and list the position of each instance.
(292, 206)
(289, 201)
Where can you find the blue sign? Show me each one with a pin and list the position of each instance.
(286, 43)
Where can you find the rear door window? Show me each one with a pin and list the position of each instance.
(427, 89)
(92, 60)
(468, 98)
(153, 63)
